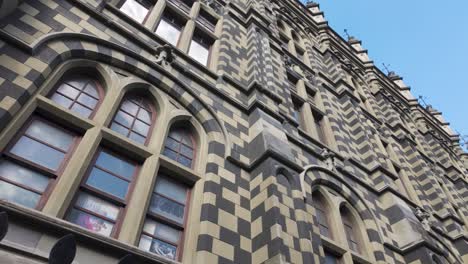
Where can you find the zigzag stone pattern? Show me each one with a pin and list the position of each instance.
(283, 111)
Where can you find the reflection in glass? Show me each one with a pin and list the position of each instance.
(168, 31)
(18, 195)
(91, 222)
(115, 165)
(38, 153)
(171, 189)
(43, 131)
(167, 208)
(98, 206)
(108, 183)
(199, 52)
(135, 10)
(23, 176)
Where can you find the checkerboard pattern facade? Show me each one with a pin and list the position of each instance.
(245, 108)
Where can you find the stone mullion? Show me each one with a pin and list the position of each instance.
(155, 15)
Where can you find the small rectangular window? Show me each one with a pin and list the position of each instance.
(207, 20)
(184, 5)
(164, 227)
(137, 9)
(200, 48)
(104, 193)
(170, 27)
(318, 123)
(300, 54)
(331, 258)
(297, 105)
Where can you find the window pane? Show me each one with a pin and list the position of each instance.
(61, 100)
(97, 206)
(137, 138)
(171, 189)
(162, 231)
(38, 153)
(141, 127)
(129, 107)
(134, 10)
(81, 110)
(145, 116)
(166, 208)
(168, 32)
(184, 161)
(330, 259)
(119, 129)
(92, 89)
(18, 195)
(44, 132)
(187, 140)
(186, 151)
(90, 222)
(158, 247)
(23, 176)
(172, 144)
(69, 91)
(77, 82)
(115, 165)
(108, 183)
(87, 100)
(170, 154)
(124, 119)
(199, 53)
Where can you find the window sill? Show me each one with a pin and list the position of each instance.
(333, 246)
(186, 175)
(119, 143)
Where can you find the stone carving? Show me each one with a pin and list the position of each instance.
(164, 55)
(424, 217)
(330, 159)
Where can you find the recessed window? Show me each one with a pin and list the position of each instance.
(207, 20)
(104, 193)
(180, 146)
(349, 228)
(79, 93)
(134, 119)
(170, 27)
(164, 226)
(34, 161)
(300, 54)
(137, 9)
(331, 258)
(184, 5)
(318, 124)
(321, 214)
(297, 106)
(200, 48)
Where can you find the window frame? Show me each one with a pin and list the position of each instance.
(182, 228)
(189, 131)
(99, 90)
(200, 34)
(122, 2)
(53, 175)
(169, 13)
(93, 191)
(135, 117)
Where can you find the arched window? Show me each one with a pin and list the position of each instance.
(321, 214)
(79, 93)
(134, 119)
(350, 227)
(180, 146)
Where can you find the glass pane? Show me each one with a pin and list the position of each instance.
(61, 100)
(87, 100)
(98, 206)
(164, 249)
(199, 53)
(172, 144)
(92, 89)
(137, 138)
(108, 183)
(170, 154)
(145, 116)
(124, 119)
(115, 165)
(38, 153)
(187, 140)
(119, 129)
(81, 110)
(330, 259)
(18, 195)
(184, 161)
(162, 231)
(23, 176)
(186, 151)
(134, 10)
(78, 82)
(141, 127)
(50, 134)
(166, 208)
(171, 189)
(168, 32)
(90, 222)
(129, 107)
(69, 91)
(176, 134)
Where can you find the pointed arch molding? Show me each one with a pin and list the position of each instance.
(314, 175)
(57, 48)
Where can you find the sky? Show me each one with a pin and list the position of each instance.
(423, 41)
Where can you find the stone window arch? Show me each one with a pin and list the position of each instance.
(180, 145)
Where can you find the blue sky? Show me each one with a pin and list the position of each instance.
(425, 42)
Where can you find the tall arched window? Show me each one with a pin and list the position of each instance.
(180, 146)
(135, 118)
(321, 214)
(350, 228)
(79, 93)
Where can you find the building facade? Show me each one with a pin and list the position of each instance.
(215, 131)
